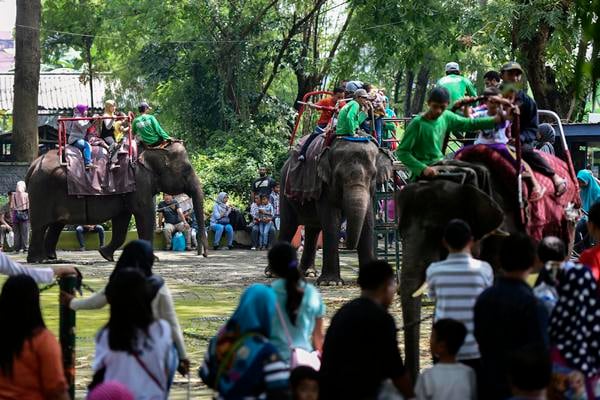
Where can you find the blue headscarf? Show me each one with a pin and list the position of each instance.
(590, 194)
(255, 311)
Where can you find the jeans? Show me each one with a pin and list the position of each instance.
(379, 129)
(264, 228)
(80, 230)
(255, 234)
(86, 149)
(21, 230)
(218, 229)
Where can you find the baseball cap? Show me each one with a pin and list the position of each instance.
(452, 66)
(360, 93)
(512, 65)
(144, 106)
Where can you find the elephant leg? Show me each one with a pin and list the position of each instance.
(120, 223)
(311, 234)
(411, 278)
(289, 221)
(330, 221)
(37, 251)
(365, 247)
(52, 235)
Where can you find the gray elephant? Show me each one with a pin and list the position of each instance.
(51, 208)
(424, 209)
(349, 172)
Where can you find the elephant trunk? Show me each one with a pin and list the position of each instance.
(356, 201)
(195, 192)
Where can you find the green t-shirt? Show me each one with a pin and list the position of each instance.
(458, 87)
(349, 118)
(149, 130)
(423, 139)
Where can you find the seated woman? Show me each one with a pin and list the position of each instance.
(77, 131)
(219, 221)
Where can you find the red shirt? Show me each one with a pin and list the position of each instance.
(327, 114)
(591, 259)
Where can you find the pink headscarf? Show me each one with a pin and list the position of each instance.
(111, 390)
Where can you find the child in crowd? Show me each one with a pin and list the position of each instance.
(265, 217)
(77, 130)
(591, 257)
(448, 379)
(274, 200)
(255, 232)
(456, 283)
(552, 252)
(530, 373)
(304, 382)
(497, 134)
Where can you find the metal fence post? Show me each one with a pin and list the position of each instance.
(67, 332)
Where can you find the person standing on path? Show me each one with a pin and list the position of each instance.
(20, 213)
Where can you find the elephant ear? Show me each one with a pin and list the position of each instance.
(385, 166)
(324, 166)
(481, 212)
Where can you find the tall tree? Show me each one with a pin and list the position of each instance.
(27, 78)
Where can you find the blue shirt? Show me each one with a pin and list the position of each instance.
(311, 308)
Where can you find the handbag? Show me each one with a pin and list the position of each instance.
(300, 357)
(223, 221)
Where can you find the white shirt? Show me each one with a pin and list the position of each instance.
(11, 268)
(162, 308)
(447, 382)
(494, 135)
(124, 368)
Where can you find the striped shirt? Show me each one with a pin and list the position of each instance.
(456, 283)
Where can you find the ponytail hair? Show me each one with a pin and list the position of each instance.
(283, 261)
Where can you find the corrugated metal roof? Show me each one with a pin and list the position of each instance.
(57, 90)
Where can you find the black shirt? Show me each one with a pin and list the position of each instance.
(360, 352)
(528, 120)
(106, 132)
(170, 213)
(263, 185)
(507, 316)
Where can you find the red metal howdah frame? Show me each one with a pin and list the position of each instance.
(301, 111)
(62, 131)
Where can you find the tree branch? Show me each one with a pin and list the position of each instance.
(336, 43)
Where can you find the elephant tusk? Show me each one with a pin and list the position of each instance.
(421, 290)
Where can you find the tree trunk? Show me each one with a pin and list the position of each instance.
(421, 88)
(397, 84)
(410, 80)
(27, 79)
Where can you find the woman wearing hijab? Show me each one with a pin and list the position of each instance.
(240, 362)
(589, 191)
(19, 205)
(139, 255)
(575, 335)
(219, 221)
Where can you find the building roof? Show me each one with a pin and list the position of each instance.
(58, 90)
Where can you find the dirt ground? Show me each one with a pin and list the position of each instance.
(205, 291)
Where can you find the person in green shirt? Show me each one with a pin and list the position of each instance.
(421, 146)
(457, 85)
(147, 127)
(353, 114)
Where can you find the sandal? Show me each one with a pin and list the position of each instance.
(561, 188)
(537, 195)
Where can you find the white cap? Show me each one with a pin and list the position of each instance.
(452, 66)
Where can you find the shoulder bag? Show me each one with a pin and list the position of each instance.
(299, 357)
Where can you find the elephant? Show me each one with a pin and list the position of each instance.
(158, 170)
(425, 208)
(348, 172)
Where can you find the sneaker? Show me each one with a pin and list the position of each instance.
(89, 166)
(188, 249)
(301, 158)
(82, 248)
(215, 247)
(230, 247)
(114, 166)
(253, 248)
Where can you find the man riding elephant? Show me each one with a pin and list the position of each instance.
(353, 114)
(422, 145)
(147, 127)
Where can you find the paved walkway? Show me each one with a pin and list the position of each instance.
(205, 290)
